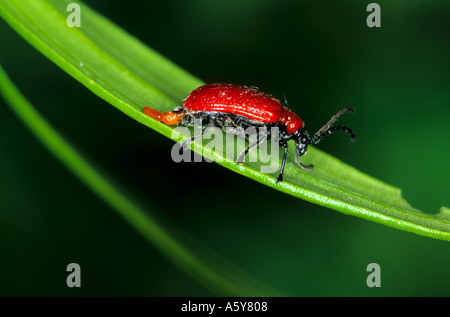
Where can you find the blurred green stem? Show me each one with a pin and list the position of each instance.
(221, 280)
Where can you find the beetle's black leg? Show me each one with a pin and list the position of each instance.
(304, 167)
(231, 122)
(244, 153)
(283, 163)
(326, 129)
(188, 142)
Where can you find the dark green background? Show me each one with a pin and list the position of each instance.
(322, 56)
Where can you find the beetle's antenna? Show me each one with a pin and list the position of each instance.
(285, 100)
(317, 137)
(334, 119)
(327, 129)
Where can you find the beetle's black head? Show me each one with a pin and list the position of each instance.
(302, 139)
(301, 142)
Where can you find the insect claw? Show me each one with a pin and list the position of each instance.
(305, 167)
(279, 178)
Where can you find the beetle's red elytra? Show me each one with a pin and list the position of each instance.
(228, 105)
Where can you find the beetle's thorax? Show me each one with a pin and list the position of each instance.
(290, 120)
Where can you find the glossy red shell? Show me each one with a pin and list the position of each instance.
(291, 121)
(244, 101)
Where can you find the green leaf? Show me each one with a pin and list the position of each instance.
(130, 76)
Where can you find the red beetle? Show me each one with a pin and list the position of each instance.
(230, 106)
